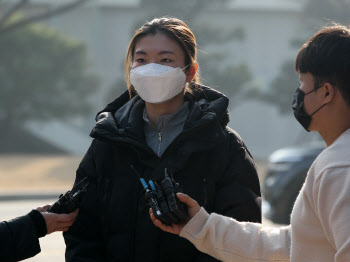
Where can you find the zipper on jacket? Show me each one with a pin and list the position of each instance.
(159, 142)
(160, 136)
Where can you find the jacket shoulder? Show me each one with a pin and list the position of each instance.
(233, 139)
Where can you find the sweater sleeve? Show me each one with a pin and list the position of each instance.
(332, 200)
(229, 240)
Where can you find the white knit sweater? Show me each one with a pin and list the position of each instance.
(320, 224)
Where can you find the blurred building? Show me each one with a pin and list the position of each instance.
(107, 25)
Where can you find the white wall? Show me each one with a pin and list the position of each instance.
(263, 129)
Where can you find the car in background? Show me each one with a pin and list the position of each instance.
(285, 175)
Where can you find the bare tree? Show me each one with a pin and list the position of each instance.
(6, 26)
(44, 74)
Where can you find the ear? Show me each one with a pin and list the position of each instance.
(328, 92)
(191, 71)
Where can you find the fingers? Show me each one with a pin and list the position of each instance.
(174, 229)
(159, 224)
(187, 200)
(59, 222)
(64, 217)
(67, 217)
(74, 213)
(43, 208)
(64, 224)
(61, 218)
(155, 221)
(63, 229)
(153, 218)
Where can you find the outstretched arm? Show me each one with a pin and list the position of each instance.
(19, 237)
(229, 240)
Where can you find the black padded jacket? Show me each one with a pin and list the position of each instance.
(208, 159)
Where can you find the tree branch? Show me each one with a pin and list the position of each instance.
(12, 10)
(34, 18)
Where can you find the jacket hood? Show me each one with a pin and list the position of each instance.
(122, 118)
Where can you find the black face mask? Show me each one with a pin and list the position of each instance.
(298, 107)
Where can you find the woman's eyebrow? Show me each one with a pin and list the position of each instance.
(166, 52)
(140, 52)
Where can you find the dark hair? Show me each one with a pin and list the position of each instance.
(326, 56)
(175, 29)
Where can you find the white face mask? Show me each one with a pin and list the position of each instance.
(156, 83)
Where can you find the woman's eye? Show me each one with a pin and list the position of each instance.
(140, 60)
(166, 60)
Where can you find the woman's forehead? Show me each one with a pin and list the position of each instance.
(157, 43)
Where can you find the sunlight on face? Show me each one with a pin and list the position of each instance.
(159, 49)
(307, 85)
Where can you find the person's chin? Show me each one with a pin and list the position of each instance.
(312, 128)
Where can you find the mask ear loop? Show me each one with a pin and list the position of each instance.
(318, 109)
(185, 67)
(314, 90)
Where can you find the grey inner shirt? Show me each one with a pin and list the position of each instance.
(168, 127)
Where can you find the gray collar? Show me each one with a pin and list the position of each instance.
(169, 120)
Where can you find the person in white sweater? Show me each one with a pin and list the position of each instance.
(320, 220)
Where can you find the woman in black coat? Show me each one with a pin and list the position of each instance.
(166, 120)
